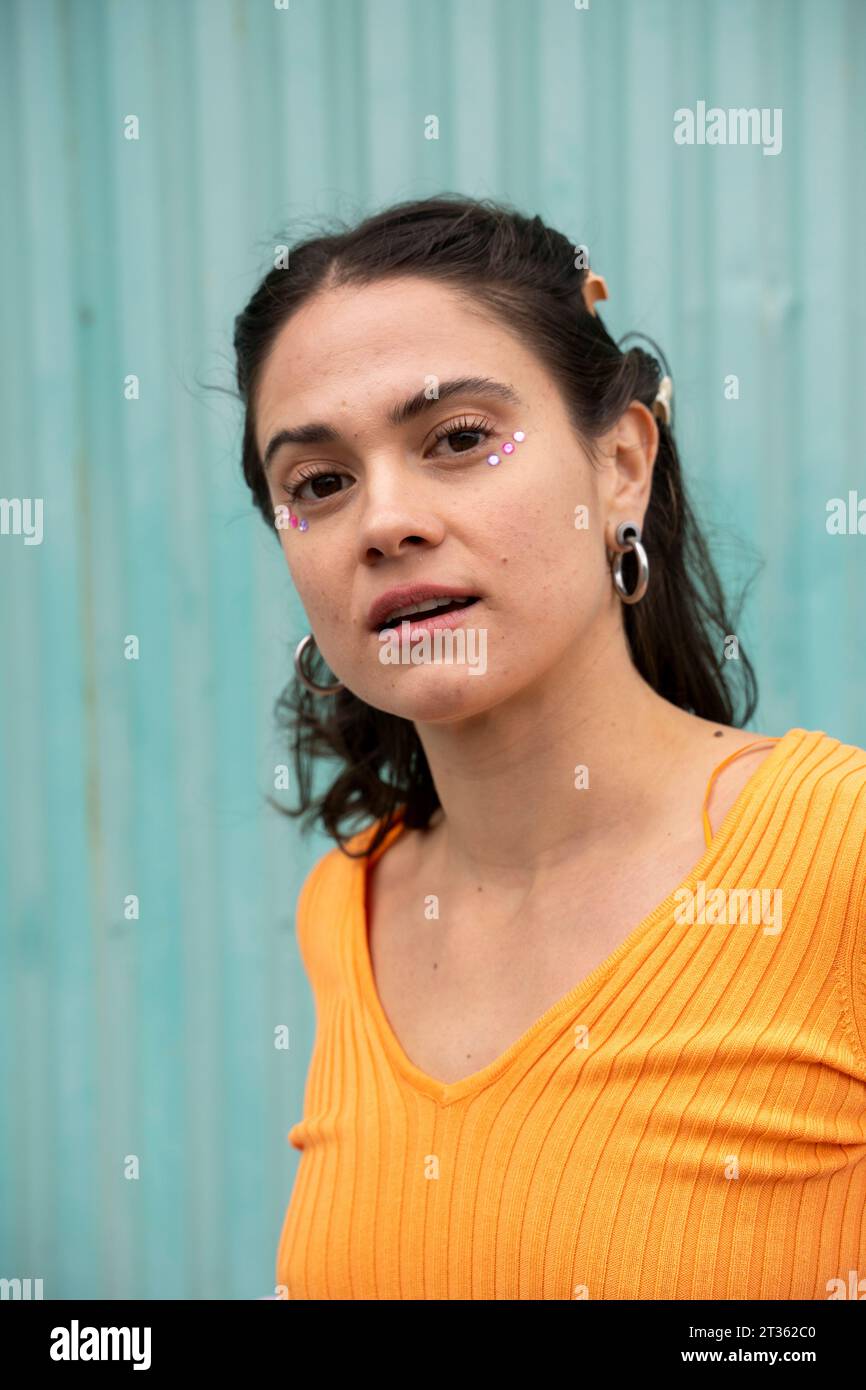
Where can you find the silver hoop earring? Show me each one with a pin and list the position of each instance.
(628, 536)
(305, 642)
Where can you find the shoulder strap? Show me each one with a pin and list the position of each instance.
(708, 830)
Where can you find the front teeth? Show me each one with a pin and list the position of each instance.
(426, 607)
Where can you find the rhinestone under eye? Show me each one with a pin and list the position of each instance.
(507, 447)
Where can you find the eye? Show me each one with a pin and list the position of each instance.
(293, 490)
(467, 432)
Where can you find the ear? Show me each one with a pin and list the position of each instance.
(629, 451)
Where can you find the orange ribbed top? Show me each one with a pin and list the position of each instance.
(688, 1122)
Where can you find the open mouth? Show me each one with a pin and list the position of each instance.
(430, 608)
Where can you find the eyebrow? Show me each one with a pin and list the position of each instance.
(320, 433)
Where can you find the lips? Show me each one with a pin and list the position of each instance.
(387, 607)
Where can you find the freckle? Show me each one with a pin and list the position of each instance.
(435, 966)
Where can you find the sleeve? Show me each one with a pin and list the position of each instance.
(305, 908)
(310, 947)
(859, 989)
(854, 948)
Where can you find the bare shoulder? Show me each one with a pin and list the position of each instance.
(713, 745)
(721, 740)
(708, 739)
(394, 874)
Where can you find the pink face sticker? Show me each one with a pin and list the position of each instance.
(507, 447)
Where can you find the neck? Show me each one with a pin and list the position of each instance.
(506, 778)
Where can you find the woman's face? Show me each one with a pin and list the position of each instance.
(395, 498)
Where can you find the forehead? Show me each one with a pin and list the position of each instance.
(360, 347)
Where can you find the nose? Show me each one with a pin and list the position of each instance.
(397, 514)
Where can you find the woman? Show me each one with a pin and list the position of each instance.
(590, 982)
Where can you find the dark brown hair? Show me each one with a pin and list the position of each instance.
(528, 276)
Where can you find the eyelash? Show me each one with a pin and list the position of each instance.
(465, 425)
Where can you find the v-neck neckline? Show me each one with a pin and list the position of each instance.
(447, 1092)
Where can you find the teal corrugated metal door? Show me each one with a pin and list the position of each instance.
(147, 891)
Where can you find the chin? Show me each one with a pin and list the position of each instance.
(433, 694)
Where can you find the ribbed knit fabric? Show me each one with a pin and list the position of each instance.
(688, 1122)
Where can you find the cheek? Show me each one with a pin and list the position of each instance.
(543, 564)
(536, 492)
(530, 531)
(299, 573)
(303, 579)
(324, 601)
